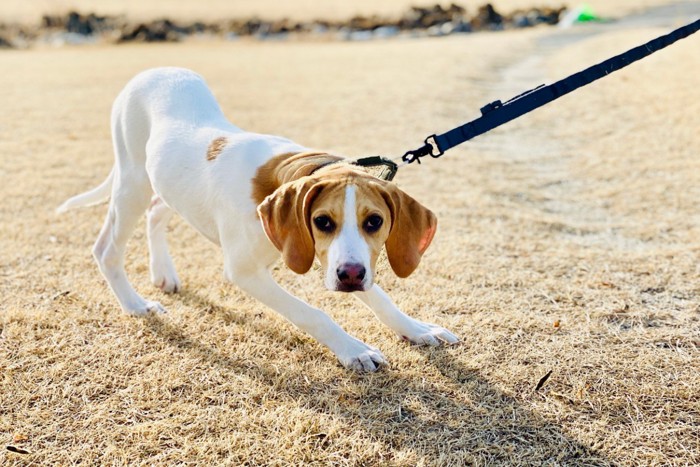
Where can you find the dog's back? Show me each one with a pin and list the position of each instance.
(167, 121)
(157, 102)
(173, 94)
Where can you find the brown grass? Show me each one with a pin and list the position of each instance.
(568, 241)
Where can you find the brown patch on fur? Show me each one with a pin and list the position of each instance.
(215, 147)
(285, 168)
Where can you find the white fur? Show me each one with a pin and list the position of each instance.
(162, 124)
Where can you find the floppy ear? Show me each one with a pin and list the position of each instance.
(412, 229)
(285, 218)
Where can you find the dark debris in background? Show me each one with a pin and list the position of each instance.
(436, 20)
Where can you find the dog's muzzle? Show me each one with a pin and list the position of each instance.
(351, 278)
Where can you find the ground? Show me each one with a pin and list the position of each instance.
(568, 241)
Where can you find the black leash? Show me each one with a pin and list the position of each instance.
(497, 113)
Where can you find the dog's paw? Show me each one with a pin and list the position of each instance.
(167, 281)
(144, 307)
(359, 356)
(429, 334)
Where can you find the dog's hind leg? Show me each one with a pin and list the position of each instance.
(163, 274)
(131, 193)
(129, 201)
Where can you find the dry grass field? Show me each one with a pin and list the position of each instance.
(568, 241)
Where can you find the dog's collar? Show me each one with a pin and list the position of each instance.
(388, 172)
(389, 167)
(326, 164)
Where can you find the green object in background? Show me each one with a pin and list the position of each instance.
(586, 13)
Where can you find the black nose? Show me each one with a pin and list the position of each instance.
(351, 274)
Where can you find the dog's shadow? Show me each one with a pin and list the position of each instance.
(460, 415)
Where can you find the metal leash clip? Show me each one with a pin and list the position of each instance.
(431, 148)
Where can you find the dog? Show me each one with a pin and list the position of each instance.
(258, 197)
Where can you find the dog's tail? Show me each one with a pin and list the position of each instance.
(97, 195)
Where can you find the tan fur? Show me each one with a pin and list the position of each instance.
(215, 147)
(286, 220)
(286, 168)
(329, 202)
(412, 230)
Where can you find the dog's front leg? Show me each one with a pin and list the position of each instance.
(408, 328)
(351, 352)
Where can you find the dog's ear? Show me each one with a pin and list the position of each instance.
(285, 218)
(412, 229)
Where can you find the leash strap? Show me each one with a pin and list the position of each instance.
(497, 113)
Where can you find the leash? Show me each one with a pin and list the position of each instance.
(497, 113)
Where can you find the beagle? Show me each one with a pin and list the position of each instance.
(256, 196)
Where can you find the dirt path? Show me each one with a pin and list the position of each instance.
(555, 189)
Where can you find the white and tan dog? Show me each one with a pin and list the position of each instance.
(255, 196)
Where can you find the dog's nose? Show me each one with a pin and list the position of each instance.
(351, 274)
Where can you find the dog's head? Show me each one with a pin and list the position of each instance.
(344, 220)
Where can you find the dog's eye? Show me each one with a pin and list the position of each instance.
(324, 224)
(372, 223)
